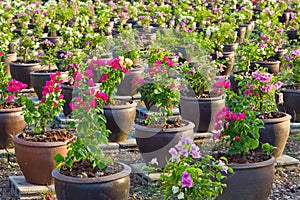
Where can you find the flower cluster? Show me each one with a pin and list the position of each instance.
(14, 86)
(291, 71)
(188, 175)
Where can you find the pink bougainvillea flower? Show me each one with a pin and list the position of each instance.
(101, 95)
(91, 82)
(10, 98)
(15, 86)
(234, 117)
(236, 138)
(103, 78)
(89, 73)
(242, 115)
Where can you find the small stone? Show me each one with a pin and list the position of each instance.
(84, 175)
(99, 174)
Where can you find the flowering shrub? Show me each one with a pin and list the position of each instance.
(261, 88)
(90, 122)
(188, 175)
(8, 88)
(160, 87)
(48, 55)
(199, 76)
(291, 71)
(40, 116)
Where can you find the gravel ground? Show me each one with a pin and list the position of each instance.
(286, 185)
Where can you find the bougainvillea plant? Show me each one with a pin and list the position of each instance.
(189, 175)
(40, 116)
(90, 122)
(161, 88)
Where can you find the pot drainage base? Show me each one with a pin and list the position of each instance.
(27, 191)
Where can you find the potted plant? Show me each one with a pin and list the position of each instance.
(27, 49)
(190, 175)
(120, 114)
(159, 131)
(84, 172)
(128, 44)
(238, 127)
(198, 101)
(290, 76)
(47, 57)
(11, 120)
(261, 87)
(35, 146)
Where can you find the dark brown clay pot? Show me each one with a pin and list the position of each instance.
(36, 159)
(126, 87)
(120, 120)
(272, 66)
(279, 54)
(201, 111)
(230, 47)
(21, 71)
(249, 181)
(115, 186)
(10, 58)
(241, 33)
(291, 99)
(276, 132)
(292, 34)
(11, 123)
(39, 78)
(233, 82)
(229, 65)
(156, 143)
(67, 91)
(284, 18)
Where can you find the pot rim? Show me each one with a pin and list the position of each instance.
(190, 125)
(40, 73)
(23, 64)
(266, 62)
(187, 98)
(119, 107)
(287, 117)
(125, 172)
(295, 91)
(19, 141)
(270, 161)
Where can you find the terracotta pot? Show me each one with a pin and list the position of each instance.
(120, 120)
(249, 181)
(276, 132)
(36, 159)
(39, 78)
(10, 58)
(67, 91)
(126, 88)
(201, 111)
(272, 66)
(115, 186)
(11, 123)
(291, 99)
(156, 143)
(21, 71)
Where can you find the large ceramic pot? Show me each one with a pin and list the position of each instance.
(39, 78)
(120, 120)
(234, 84)
(36, 159)
(229, 56)
(201, 111)
(276, 132)
(21, 71)
(67, 91)
(11, 123)
(156, 143)
(272, 66)
(230, 47)
(251, 181)
(291, 99)
(126, 87)
(10, 57)
(115, 186)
